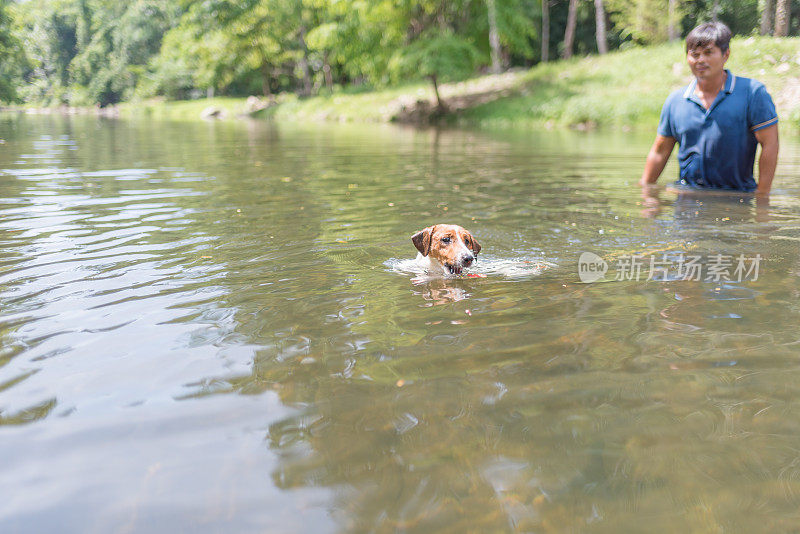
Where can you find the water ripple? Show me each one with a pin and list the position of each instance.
(90, 280)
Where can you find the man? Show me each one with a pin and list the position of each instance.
(717, 122)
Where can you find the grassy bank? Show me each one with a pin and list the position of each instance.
(624, 88)
(629, 87)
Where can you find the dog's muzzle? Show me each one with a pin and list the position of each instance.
(463, 262)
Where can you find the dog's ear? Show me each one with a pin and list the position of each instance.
(422, 240)
(476, 247)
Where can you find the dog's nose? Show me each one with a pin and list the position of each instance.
(466, 260)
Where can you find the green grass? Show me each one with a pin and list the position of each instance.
(629, 87)
(624, 88)
(181, 109)
(371, 106)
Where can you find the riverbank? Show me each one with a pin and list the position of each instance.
(628, 88)
(623, 89)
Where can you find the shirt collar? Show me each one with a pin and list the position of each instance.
(730, 82)
(690, 90)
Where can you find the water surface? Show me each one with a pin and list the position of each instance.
(207, 326)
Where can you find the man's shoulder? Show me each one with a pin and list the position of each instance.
(748, 85)
(677, 95)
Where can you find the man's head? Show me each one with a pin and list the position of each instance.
(715, 33)
(707, 49)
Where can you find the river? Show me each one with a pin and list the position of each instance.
(214, 326)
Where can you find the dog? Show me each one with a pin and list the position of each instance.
(445, 249)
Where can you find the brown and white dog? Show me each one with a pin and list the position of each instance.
(445, 249)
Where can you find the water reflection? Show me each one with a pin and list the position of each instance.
(224, 296)
(441, 291)
(690, 204)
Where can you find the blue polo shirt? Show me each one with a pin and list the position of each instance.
(717, 146)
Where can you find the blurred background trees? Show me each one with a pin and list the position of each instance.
(13, 62)
(100, 52)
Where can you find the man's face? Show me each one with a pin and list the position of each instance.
(707, 61)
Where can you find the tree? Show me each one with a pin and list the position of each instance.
(600, 27)
(672, 25)
(124, 38)
(334, 20)
(50, 41)
(782, 13)
(276, 38)
(643, 21)
(105, 51)
(192, 58)
(766, 17)
(14, 60)
(516, 30)
(569, 32)
(741, 16)
(545, 56)
(481, 30)
(438, 57)
(445, 40)
(91, 51)
(494, 37)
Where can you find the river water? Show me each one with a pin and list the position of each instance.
(215, 327)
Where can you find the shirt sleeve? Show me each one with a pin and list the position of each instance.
(665, 126)
(761, 111)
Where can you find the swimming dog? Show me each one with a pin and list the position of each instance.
(445, 249)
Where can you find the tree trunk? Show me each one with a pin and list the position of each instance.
(265, 76)
(569, 33)
(781, 18)
(326, 69)
(440, 107)
(672, 23)
(303, 63)
(600, 26)
(766, 17)
(494, 37)
(545, 31)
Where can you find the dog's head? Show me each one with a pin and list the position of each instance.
(450, 245)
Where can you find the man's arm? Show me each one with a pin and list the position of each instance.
(657, 159)
(768, 139)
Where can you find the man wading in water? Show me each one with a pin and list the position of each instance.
(717, 121)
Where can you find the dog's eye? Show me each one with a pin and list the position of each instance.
(446, 240)
(466, 241)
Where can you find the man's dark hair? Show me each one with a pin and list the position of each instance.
(708, 33)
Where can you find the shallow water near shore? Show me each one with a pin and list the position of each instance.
(215, 326)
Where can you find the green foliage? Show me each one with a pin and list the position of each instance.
(91, 51)
(14, 60)
(517, 25)
(192, 57)
(643, 21)
(593, 91)
(50, 39)
(444, 57)
(646, 21)
(124, 38)
(357, 38)
(742, 16)
(106, 51)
